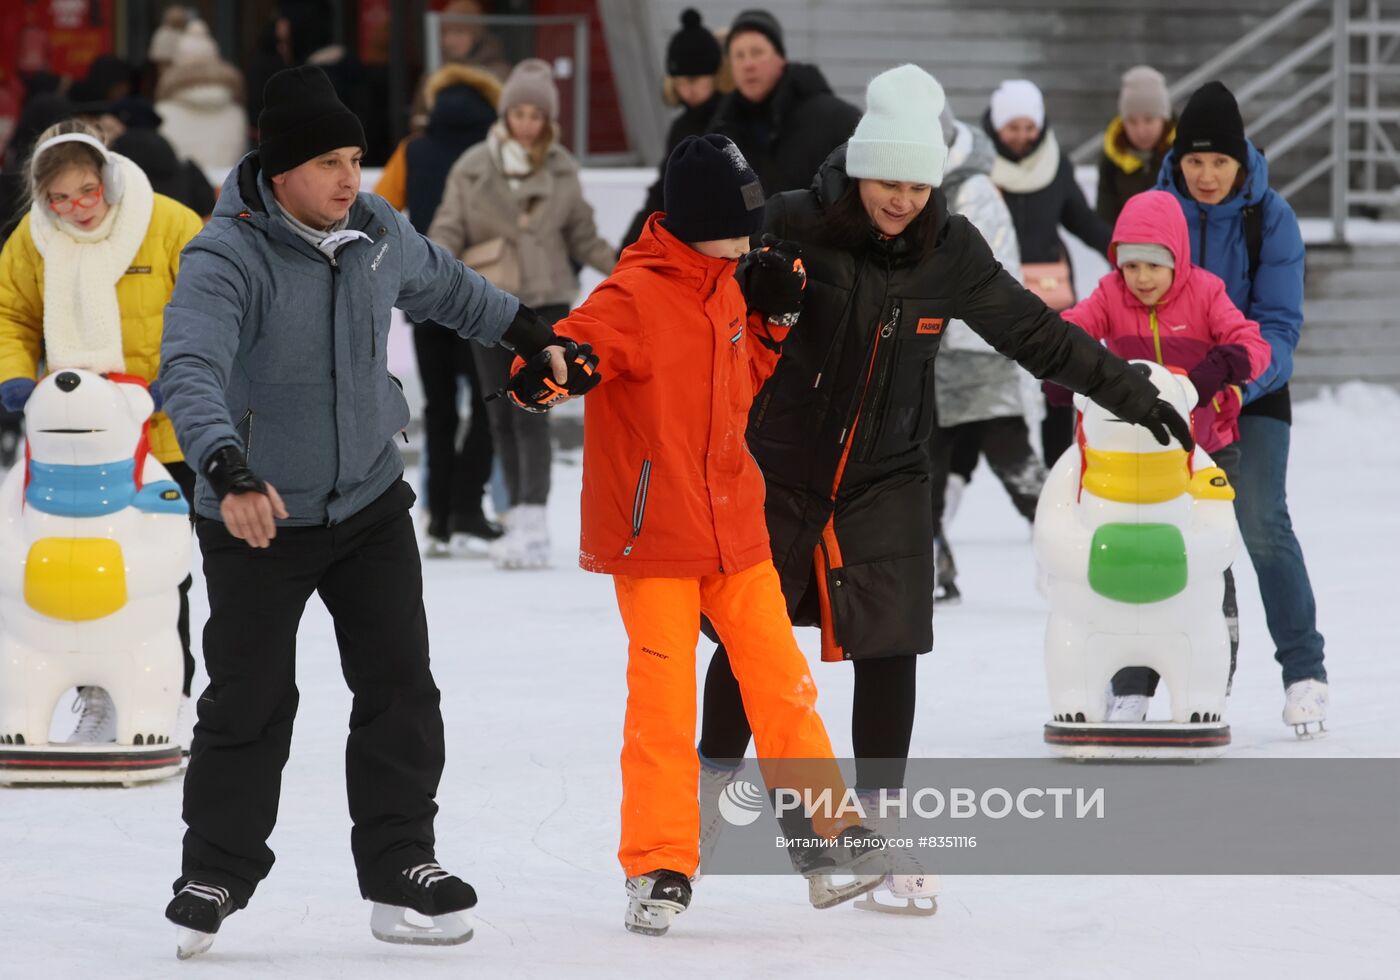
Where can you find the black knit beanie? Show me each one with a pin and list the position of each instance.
(763, 23)
(711, 192)
(693, 50)
(1211, 123)
(302, 118)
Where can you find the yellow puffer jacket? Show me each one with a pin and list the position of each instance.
(141, 296)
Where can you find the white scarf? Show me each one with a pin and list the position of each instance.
(514, 159)
(82, 319)
(1031, 174)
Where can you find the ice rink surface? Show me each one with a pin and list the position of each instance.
(531, 668)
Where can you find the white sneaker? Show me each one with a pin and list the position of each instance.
(1305, 707)
(952, 497)
(437, 548)
(1130, 708)
(97, 717)
(526, 541)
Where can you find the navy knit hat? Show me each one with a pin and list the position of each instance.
(760, 21)
(711, 192)
(1211, 123)
(302, 118)
(693, 50)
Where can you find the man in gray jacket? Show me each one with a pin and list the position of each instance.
(274, 371)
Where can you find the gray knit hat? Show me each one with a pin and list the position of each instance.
(1144, 93)
(531, 83)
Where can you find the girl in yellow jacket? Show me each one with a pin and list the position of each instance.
(83, 283)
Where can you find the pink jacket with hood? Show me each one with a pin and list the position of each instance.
(1194, 326)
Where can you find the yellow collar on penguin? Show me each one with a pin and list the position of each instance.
(1136, 478)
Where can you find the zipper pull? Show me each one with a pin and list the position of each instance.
(894, 322)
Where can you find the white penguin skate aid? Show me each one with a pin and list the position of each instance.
(1133, 539)
(94, 542)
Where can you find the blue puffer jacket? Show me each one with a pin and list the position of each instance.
(1275, 298)
(270, 345)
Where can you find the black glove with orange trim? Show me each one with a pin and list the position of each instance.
(534, 387)
(773, 278)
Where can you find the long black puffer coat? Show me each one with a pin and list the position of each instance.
(840, 429)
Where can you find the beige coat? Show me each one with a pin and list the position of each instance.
(545, 219)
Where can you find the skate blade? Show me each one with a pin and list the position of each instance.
(390, 924)
(651, 918)
(824, 893)
(189, 943)
(1306, 732)
(901, 906)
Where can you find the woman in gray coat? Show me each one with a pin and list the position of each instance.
(514, 211)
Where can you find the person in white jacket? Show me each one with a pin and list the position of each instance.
(980, 395)
(200, 101)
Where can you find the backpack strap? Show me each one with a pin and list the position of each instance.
(1254, 236)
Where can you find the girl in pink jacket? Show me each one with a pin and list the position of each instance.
(1157, 306)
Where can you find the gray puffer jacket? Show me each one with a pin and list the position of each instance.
(972, 382)
(271, 345)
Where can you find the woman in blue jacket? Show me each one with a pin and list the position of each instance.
(1244, 231)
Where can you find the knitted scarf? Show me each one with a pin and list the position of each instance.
(82, 319)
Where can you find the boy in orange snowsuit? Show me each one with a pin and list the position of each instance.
(673, 506)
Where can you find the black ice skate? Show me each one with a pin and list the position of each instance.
(197, 910)
(654, 899)
(837, 874)
(431, 892)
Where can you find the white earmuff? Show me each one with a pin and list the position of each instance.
(112, 183)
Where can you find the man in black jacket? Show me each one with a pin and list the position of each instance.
(783, 116)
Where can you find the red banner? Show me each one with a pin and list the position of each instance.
(59, 36)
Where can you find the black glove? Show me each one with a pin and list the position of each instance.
(772, 278)
(528, 333)
(227, 472)
(1164, 422)
(533, 387)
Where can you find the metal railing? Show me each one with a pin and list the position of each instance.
(1353, 92)
(569, 72)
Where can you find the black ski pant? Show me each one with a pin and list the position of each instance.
(882, 717)
(1056, 432)
(367, 572)
(456, 474)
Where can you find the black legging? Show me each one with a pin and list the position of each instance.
(1006, 444)
(882, 718)
(456, 476)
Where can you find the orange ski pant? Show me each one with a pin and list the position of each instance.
(660, 767)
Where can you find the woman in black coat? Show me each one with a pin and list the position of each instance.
(696, 81)
(840, 429)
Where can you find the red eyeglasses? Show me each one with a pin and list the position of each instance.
(86, 201)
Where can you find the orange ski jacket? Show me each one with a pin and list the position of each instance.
(669, 487)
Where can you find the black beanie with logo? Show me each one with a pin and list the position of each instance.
(302, 118)
(1211, 123)
(711, 192)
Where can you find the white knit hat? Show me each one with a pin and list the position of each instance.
(195, 46)
(1017, 98)
(899, 137)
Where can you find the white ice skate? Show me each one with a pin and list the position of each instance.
(422, 906)
(197, 912)
(97, 717)
(1129, 708)
(837, 875)
(912, 894)
(525, 545)
(654, 899)
(1305, 708)
(396, 924)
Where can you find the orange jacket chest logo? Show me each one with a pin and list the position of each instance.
(931, 325)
